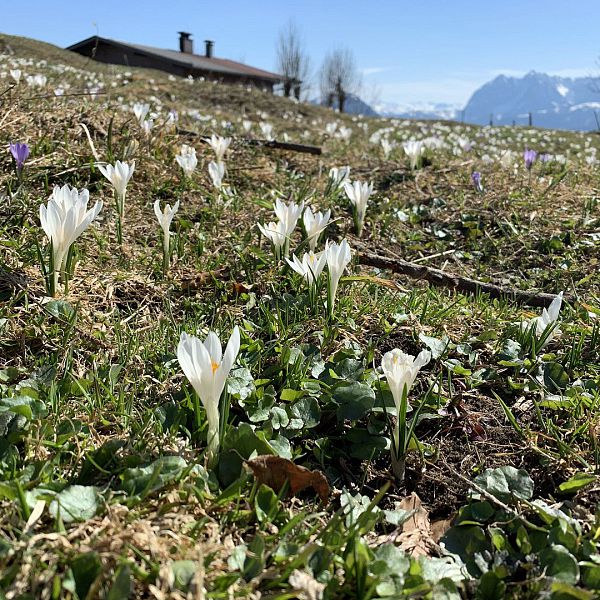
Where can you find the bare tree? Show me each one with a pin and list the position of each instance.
(339, 78)
(292, 60)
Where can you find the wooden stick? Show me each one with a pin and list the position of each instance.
(464, 284)
(285, 146)
(10, 87)
(42, 96)
(266, 143)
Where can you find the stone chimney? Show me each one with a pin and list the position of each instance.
(209, 45)
(186, 44)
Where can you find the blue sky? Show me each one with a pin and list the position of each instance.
(408, 51)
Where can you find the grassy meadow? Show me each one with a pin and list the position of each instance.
(117, 481)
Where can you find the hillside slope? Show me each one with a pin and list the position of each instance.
(184, 413)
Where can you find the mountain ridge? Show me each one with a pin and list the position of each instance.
(555, 102)
(552, 101)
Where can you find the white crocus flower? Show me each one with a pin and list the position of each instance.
(64, 219)
(465, 144)
(219, 145)
(187, 160)
(339, 176)
(276, 234)
(359, 193)
(310, 267)
(546, 320)
(508, 159)
(247, 125)
(314, 225)
(216, 170)
(165, 217)
(344, 133)
(147, 126)
(288, 213)
(140, 111)
(38, 80)
(414, 149)
(119, 177)
(267, 130)
(387, 146)
(16, 75)
(401, 370)
(206, 368)
(338, 257)
(171, 120)
(185, 149)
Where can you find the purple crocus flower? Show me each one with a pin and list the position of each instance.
(529, 156)
(20, 153)
(476, 179)
(544, 157)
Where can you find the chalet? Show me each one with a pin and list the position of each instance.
(182, 63)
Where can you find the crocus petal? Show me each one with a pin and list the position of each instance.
(213, 346)
(231, 352)
(554, 308)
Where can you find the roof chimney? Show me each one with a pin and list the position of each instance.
(186, 44)
(209, 48)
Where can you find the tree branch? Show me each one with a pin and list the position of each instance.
(440, 278)
(267, 143)
(285, 146)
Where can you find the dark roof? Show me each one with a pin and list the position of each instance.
(193, 61)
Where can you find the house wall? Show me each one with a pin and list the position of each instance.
(116, 55)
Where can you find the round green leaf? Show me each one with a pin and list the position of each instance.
(354, 400)
(560, 564)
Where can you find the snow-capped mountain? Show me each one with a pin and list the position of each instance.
(421, 110)
(554, 102)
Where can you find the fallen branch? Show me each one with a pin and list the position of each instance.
(10, 87)
(46, 96)
(464, 284)
(266, 143)
(285, 146)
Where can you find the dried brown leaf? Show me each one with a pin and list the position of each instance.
(275, 471)
(439, 528)
(416, 538)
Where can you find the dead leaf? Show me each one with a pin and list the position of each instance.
(203, 279)
(307, 586)
(274, 471)
(439, 528)
(241, 288)
(523, 405)
(416, 538)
